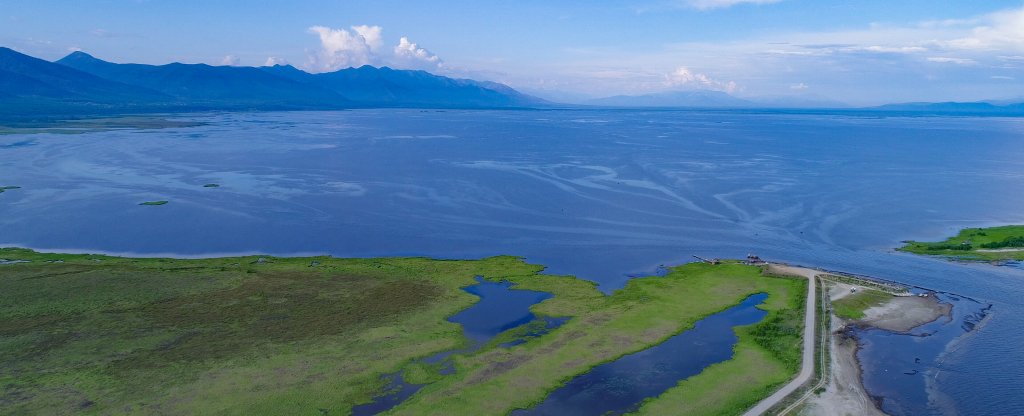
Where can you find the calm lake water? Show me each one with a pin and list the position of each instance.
(601, 194)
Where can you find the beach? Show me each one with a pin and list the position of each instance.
(844, 392)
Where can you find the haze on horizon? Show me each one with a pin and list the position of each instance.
(861, 53)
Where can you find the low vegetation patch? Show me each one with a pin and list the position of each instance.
(853, 306)
(766, 357)
(994, 243)
(99, 334)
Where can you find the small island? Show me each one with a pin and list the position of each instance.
(6, 188)
(154, 203)
(976, 244)
(211, 185)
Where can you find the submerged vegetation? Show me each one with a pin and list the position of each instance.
(986, 244)
(244, 335)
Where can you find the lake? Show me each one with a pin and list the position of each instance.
(601, 194)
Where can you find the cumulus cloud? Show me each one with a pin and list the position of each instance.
(340, 48)
(364, 45)
(719, 4)
(415, 55)
(273, 60)
(230, 60)
(371, 35)
(684, 77)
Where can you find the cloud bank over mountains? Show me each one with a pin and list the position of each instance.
(971, 58)
(683, 77)
(364, 45)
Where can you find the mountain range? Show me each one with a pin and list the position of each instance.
(81, 83)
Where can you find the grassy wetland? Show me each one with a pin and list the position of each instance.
(981, 244)
(243, 335)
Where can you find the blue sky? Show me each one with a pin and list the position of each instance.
(859, 52)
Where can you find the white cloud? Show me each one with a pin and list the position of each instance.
(1002, 77)
(364, 45)
(719, 4)
(230, 60)
(948, 60)
(889, 49)
(415, 55)
(273, 60)
(997, 31)
(340, 48)
(371, 35)
(683, 77)
(798, 87)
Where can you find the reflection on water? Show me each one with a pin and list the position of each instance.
(600, 194)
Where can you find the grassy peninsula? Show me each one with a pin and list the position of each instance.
(264, 335)
(982, 244)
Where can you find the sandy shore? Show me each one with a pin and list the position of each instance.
(844, 392)
(901, 314)
(999, 250)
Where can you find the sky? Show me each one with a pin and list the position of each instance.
(859, 52)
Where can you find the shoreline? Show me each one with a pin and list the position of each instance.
(244, 301)
(845, 392)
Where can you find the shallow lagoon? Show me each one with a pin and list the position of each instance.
(499, 309)
(601, 194)
(620, 386)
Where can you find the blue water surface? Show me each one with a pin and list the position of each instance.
(601, 194)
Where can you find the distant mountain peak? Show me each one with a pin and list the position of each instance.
(79, 56)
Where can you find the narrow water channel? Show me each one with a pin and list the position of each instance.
(500, 308)
(622, 385)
